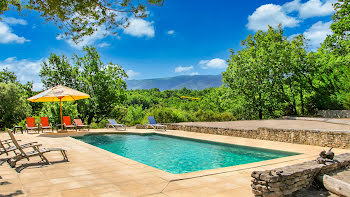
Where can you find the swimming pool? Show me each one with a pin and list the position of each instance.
(180, 155)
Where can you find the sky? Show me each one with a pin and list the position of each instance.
(180, 38)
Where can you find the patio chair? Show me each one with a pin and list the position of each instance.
(154, 125)
(31, 125)
(114, 124)
(36, 152)
(6, 147)
(44, 124)
(68, 123)
(79, 124)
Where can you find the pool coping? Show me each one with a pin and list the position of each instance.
(304, 154)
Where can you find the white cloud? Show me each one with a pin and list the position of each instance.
(270, 14)
(87, 40)
(132, 74)
(291, 6)
(6, 35)
(314, 8)
(25, 70)
(194, 73)
(171, 32)
(317, 33)
(138, 27)
(103, 44)
(293, 36)
(216, 63)
(181, 69)
(13, 21)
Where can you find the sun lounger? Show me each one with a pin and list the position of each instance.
(114, 124)
(79, 124)
(68, 123)
(31, 125)
(44, 124)
(36, 152)
(6, 146)
(154, 125)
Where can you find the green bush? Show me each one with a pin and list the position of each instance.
(99, 125)
(52, 111)
(169, 115)
(210, 116)
(13, 105)
(134, 115)
(119, 113)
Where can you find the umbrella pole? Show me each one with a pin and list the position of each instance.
(61, 114)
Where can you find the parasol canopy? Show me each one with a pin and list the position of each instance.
(59, 93)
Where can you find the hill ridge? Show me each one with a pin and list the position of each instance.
(195, 82)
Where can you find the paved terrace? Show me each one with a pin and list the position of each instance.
(277, 124)
(92, 171)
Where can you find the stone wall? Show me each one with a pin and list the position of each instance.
(287, 180)
(336, 139)
(334, 113)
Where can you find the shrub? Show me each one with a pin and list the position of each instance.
(134, 115)
(99, 125)
(52, 111)
(13, 105)
(169, 115)
(209, 116)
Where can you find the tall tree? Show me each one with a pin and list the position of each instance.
(78, 18)
(103, 82)
(259, 71)
(13, 106)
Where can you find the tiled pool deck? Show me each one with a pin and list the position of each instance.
(92, 171)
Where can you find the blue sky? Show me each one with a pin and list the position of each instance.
(179, 38)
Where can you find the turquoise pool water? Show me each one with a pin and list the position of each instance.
(179, 155)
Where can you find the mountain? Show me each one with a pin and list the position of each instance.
(195, 82)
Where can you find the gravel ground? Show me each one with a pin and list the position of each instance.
(278, 124)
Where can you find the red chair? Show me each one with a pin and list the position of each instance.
(79, 124)
(44, 124)
(68, 123)
(31, 125)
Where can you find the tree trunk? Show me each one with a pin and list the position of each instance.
(302, 101)
(260, 107)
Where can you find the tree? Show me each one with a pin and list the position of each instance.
(103, 82)
(13, 105)
(332, 61)
(339, 42)
(80, 18)
(257, 71)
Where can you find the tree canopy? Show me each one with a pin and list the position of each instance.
(79, 18)
(103, 82)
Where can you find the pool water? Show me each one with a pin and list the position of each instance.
(180, 155)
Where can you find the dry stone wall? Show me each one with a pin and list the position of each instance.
(334, 113)
(287, 180)
(336, 139)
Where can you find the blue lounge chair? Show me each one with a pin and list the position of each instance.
(114, 124)
(154, 125)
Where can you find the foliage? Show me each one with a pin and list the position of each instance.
(79, 18)
(339, 42)
(103, 82)
(9, 77)
(258, 71)
(52, 111)
(134, 115)
(168, 115)
(13, 106)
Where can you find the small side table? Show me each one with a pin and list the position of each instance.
(58, 128)
(16, 128)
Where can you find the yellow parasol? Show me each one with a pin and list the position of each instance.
(59, 93)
